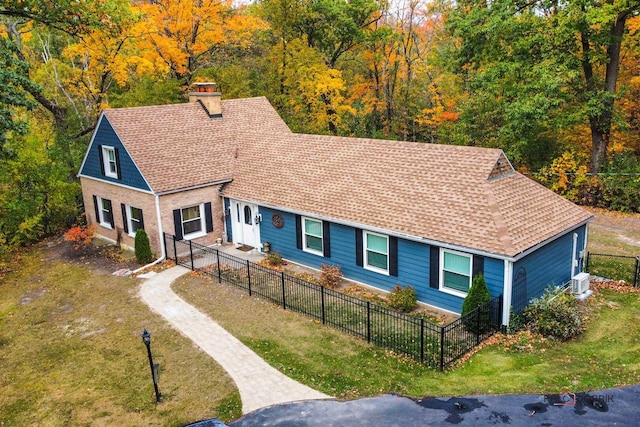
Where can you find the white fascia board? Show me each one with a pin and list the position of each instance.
(104, 181)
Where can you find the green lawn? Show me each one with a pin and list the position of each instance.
(346, 367)
(71, 352)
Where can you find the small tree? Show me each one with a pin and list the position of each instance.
(143, 247)
(478, 296)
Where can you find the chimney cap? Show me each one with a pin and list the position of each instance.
(206, 87)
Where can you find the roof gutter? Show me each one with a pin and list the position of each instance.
(384, 231)
(195, 187)
(160, 235)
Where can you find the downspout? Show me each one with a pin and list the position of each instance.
(584, 249)
(574, 257)
(161, 235)
(506, 295)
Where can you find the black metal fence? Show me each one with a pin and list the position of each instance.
(435, 345)
(616, 267)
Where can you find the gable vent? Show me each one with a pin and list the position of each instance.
(501, 168)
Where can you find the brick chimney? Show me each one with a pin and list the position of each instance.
(209, 96)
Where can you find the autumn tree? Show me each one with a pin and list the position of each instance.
(533, 67)
(181, 37)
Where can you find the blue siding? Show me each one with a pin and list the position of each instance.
(105, 135)
(413, 261)
(551, 264)
(227, 219)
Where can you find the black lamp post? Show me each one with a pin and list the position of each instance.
(146, 339)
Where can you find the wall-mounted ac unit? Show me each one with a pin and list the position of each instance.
(580, 283)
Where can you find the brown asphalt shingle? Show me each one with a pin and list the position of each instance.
(438, 192)
(179, 146)
(447, 194)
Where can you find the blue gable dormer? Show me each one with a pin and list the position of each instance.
(123, 171)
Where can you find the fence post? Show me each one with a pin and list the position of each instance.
(422, 339)
(284, 302)
(175, 250)
(368, 321)
(322, 299)
(191, 254)
(586, 267)
(478, 310)
(635, 277)
(249, 276)
(219, 271)
(442, 348)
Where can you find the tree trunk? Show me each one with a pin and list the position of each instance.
(601, 121)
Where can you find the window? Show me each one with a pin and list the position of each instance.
(376, 249)
(110, 161)
(312, 235)
(456, 272)
(135, 220)
(105, 213)
(192, 221)
(247, 216)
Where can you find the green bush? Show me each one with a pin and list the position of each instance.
(403, 299)
(556, 314)
(478, 296)
(330, 276)
(274, 259)
(143, 247)
(620, 183)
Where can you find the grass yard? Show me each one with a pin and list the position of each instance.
(345, 367)
(71, 352)
(616, 234)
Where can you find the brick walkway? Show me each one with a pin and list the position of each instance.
(260, 385)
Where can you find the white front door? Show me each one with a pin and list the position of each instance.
(245, 227)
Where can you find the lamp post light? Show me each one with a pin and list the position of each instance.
(146, 339)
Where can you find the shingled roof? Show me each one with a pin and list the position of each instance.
(465, 196)
(179, 146)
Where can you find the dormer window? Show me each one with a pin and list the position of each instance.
(110, 161)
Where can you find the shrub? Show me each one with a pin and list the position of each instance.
(330, 276)
(403, 299)
(81, 235)
(478, 296)
(555, 314)
(274, 259)
(142, 247)
(516, 322)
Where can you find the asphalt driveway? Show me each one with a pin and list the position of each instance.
(612, 407)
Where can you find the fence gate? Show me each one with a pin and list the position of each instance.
(519, 297)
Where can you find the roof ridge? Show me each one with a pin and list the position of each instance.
(499, 222)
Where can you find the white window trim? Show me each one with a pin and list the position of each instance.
(130, 220)
(365, 258)
(101, 219)
(203, 226)
(442, 287)
(105, 159)
(304, 236)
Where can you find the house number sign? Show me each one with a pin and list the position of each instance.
(277, 220)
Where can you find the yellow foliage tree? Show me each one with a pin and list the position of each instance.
(182, 34)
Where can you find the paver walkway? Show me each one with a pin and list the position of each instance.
(260, 385)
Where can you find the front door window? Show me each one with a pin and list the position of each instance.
(247, 215)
